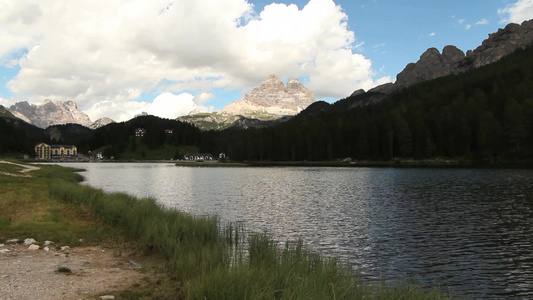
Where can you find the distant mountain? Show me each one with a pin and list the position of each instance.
(272, 98)
(54, 113)
(270, 103)
(101, 122)
(484, 115)
(4, 112)
(434, 64)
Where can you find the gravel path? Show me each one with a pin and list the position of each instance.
(26, 169)
(33, 274)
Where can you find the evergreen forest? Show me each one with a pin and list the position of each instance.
(481, 115)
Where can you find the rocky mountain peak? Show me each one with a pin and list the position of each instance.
(273, 98)
(433, 64)
(50, 113)
(294, 84)
(101, 122)
(499, 44)
(54, 113)
(453, 54)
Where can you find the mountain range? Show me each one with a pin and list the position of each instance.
(55, 113)
(270, 103)
(273, 102)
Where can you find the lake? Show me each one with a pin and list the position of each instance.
(467, 231)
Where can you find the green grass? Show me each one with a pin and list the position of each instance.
(203, 259)
(10, 168)
(29, 211)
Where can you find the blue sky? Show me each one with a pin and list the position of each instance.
(393, 33)
(169, 57)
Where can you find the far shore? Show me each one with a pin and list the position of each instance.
(397, 163)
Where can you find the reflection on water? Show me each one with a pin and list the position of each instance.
(469, 231)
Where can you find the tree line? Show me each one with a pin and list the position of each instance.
(485, 114)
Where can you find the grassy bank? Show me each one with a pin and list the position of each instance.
(27, 210)
(209, 260)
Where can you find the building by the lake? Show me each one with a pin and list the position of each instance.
(46, 152)
(198, 157)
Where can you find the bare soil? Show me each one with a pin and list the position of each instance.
(94, 272)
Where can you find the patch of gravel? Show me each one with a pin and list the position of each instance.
(26, 168)
(33, 274)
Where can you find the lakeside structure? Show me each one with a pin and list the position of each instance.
(44, 151)
(199, 157)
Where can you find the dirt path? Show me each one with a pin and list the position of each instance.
(26, 169)
(33, 274)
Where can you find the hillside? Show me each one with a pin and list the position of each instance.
(483, 114)
(4, 112)
(161, 139)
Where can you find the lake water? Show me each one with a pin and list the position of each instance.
(467, 231)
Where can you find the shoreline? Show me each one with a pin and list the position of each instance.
(400, 163)
(198, 254)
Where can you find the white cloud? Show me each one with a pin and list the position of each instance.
(118, 110)
(105, 54)
(482, 22)
(468, 26)
(518, 12)
(202, 98)
(168, 105)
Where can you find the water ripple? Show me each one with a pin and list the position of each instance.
(468, 231)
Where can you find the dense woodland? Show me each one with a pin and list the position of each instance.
(485, 115)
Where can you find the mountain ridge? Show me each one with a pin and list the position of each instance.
(54, 113)
(272, 99)
(434, 64)
(270, 103)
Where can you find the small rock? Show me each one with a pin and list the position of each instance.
(48, 243)
(80, 240)
(4, 250)
(64, 248)
(12, 241)
(1, 245)
(107, 297)
(135, 265)
(47, 249)
(29, 241)
(33, 247)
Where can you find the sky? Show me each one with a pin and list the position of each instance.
(169, 57)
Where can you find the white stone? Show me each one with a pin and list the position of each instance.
(33, 247)
(12, 241)
(29, 241)
(4, 250)
(1, 245)
(48, 243)
(107, 297)
(46, 249)
(64, 248)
